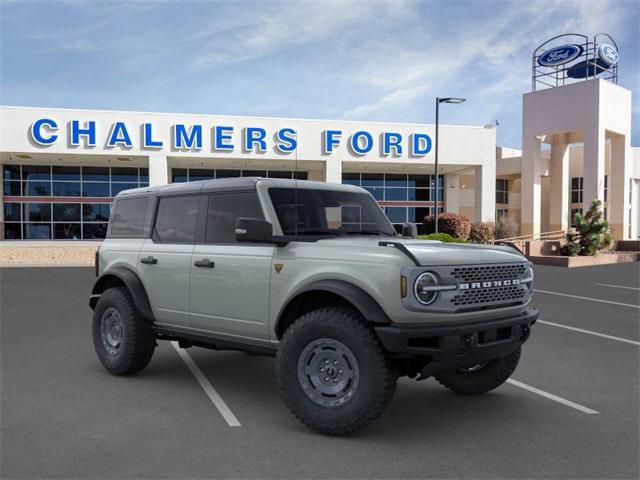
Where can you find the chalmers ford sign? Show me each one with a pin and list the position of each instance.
(220, 138)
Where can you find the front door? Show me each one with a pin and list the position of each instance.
(229, 280)
(165, 259)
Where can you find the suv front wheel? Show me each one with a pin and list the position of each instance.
(332, 372)
(124, 341)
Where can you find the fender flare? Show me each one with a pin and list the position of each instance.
(361, 300)
(133, 284)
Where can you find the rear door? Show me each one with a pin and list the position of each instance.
(165, 258)
(230, 280)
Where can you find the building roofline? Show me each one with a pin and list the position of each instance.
(21, 107)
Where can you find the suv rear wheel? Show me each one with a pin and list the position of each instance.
(480, 378)
(332, 372)
(122, 339)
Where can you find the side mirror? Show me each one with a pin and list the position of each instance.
(409, 230)
(253, 230)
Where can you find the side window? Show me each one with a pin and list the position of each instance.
(224, 209)
(128, 218)
(176, 219)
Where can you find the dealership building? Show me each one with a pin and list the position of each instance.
(61, 168)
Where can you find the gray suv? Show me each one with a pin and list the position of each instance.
(314, 274)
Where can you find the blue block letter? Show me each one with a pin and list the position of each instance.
(331, 140)
(286, 140)
(253, 136)
(183, 139)
(421, 144)
(222, 136)
(89, 131)
(355, 142)
(147, 138)
(119, 136)
(392, 140)
(36, 131)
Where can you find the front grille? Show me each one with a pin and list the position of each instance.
(487, 273)
(491, 295)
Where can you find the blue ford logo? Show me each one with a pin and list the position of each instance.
(608, 54)
(560, 55)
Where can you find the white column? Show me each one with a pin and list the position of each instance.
(452, 192)
(559, 204)
(485, 192)
(333, 171)
(619, 186)
(158, 169)
(531, 173)
(593, 166)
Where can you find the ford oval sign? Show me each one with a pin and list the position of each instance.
(608, 54)
(560, 55)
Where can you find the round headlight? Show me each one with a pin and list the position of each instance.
(421, 288)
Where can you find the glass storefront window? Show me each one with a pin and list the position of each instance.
(12, 188)
(116, 188)
(12, 212)
(11, 172)
(66, 173)
(93, 189)
(37, 231)
(124, 174)
(65, 220)
(66, 189)
(66, 212)
(12, 231)
(96, 212)
(254, 173)
(95, 174)
(37, 189)
(91, 231)
(67, 231)
(36, 172)
(37, 212)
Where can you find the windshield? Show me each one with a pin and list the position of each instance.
(328, 212)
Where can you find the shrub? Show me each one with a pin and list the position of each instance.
(457, 226)
(482, 232)
(592, 233)
(443, 237)
(505, 228)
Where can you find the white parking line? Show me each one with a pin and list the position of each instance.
(211, 392)
(600, 300)
(555, 398)
(617, 286)
(590, 332)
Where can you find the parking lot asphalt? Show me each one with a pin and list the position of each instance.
(64, 416)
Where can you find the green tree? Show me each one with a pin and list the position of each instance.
(592, 233)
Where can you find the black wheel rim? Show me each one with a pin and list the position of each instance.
(328, 372)
(111, 330)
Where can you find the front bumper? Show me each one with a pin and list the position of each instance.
(447, 347)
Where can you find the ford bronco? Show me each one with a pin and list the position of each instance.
(314, 274)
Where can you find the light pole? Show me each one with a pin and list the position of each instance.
(438, 102)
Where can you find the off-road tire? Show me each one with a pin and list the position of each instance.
(137, 342)
(377, 374)
(490, 376)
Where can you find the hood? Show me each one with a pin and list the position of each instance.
(433, 252)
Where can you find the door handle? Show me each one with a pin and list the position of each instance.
(204, 263)
(149, 260)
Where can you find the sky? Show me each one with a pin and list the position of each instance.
(343, 60)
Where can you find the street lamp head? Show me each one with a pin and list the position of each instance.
(451, 100)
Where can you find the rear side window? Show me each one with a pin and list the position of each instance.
(224, 209)
(177, 219)
(128, 218)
